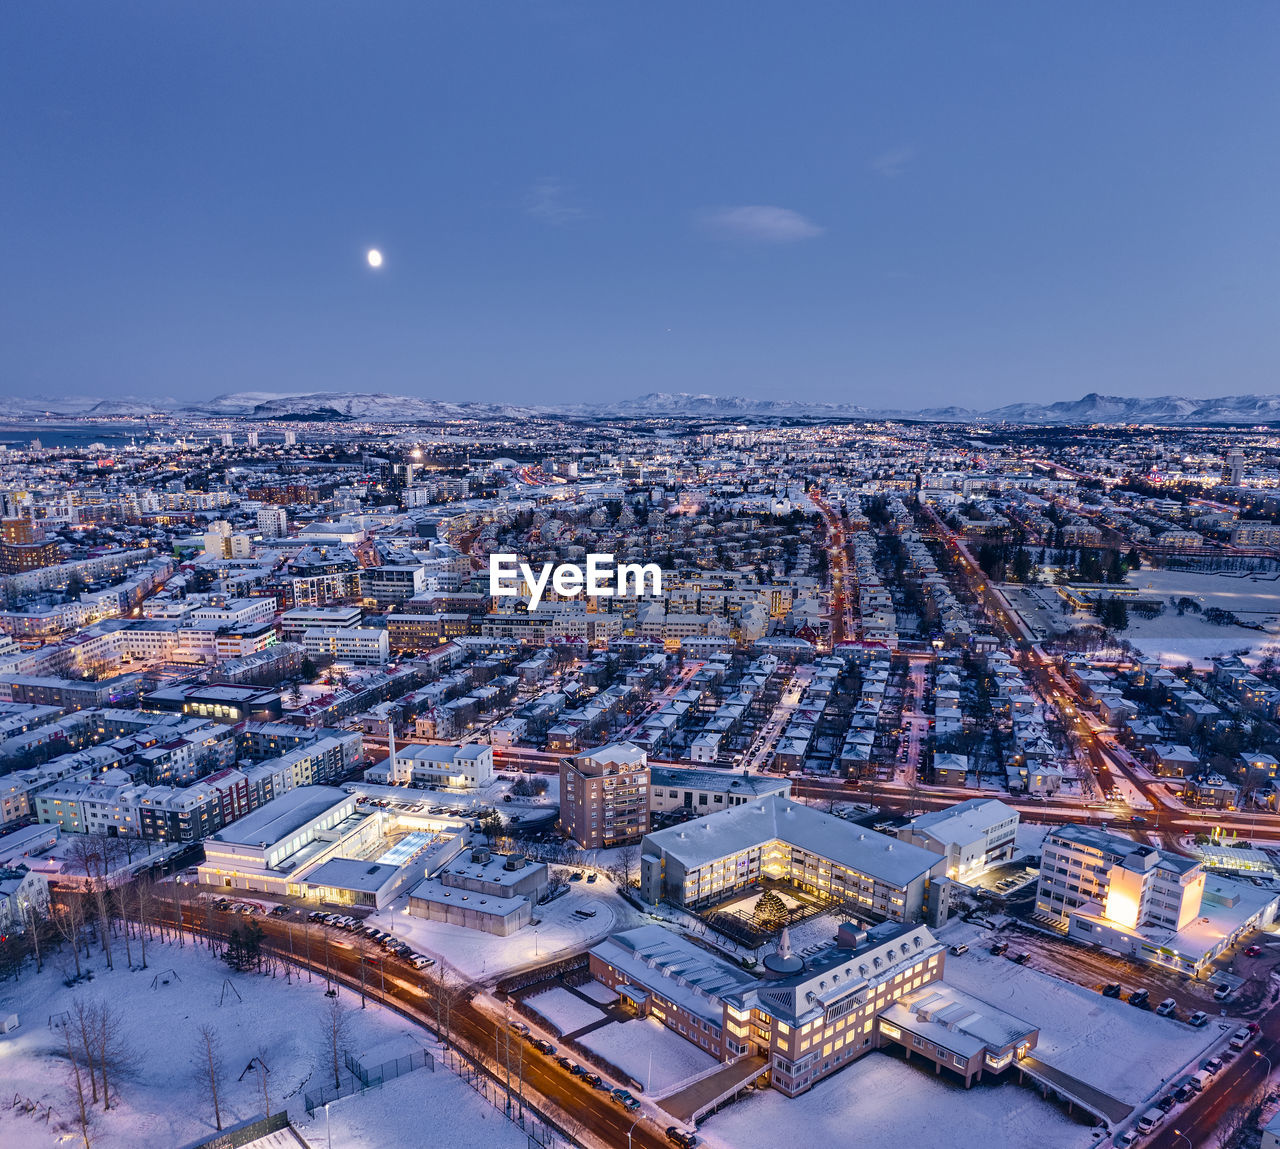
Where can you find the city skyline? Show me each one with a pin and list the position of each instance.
(943, 207)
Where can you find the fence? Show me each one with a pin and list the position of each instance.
(357, 1078)
(508, 1103)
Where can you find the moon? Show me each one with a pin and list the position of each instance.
(374, 257)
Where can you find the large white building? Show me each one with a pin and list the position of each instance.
(365, 645)
(972, 835)
(451, 764)
(271, 847)
(1145, 903)
(709, 859)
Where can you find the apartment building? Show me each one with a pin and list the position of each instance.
(604, 795)
(363, 645)
(712, 858)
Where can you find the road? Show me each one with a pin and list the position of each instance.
(471, 1030)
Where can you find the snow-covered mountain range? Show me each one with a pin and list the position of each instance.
(384, 408)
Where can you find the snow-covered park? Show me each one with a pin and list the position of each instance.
(164, 1098)
(1176, 639)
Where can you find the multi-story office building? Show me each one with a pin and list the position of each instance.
(1133, 883)
(805, 1019)
(712, 858)
(1144, 903)
(604, 795)
(972, 835)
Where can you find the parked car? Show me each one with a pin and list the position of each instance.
(1167, 1102)
(1167, 1008)
(600, 1084)
(518, 1027)
(1140, 998)
(1222, 991)
(628, 1101)
(1253, 951)
(1199, 1019)
(591, 877)
(544, 1046)
(1213, 1065)
(1114, 989)
(1125, 1140)
(576, 876)
(1240, 1039)
(999, 949)
(279, 911)
(593, 1079)
(1021, 959)
(1185, 1092)
(678, 1136)
(956, 951)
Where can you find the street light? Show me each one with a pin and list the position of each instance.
(1257, 1053)
(1179, 1133)
(633, 1125)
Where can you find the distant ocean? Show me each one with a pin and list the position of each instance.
(18, 436)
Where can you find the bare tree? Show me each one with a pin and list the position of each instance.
(209, 1066)
(111, 1050)
(86, 1026)
(335, 1030)
(83, 1115)
(68, 919)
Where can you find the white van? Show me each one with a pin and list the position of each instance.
(1152, 1119)
(1200, 1080)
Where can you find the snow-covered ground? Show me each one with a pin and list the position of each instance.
(1175, 639)
(485, 957)
(1123, 1051)
(598, 992)
(646, 1049)
(1029, 838)
(881, 1101)
(161, 1102)
(567, 1012)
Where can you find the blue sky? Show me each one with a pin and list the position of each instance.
(897, 205)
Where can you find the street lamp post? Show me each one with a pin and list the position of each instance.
(1179, 1133)
(632, 1129)
(1258, 1053)
(327, 1136)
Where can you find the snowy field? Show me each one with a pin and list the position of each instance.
(1123, 1051)
(881, 1101)
(644, 1048)
(160, 1103)
(486, 957)
(567, 1012)
(1177, 639)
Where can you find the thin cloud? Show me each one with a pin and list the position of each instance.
(550, 202)
(894, 162)
(761, 223)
